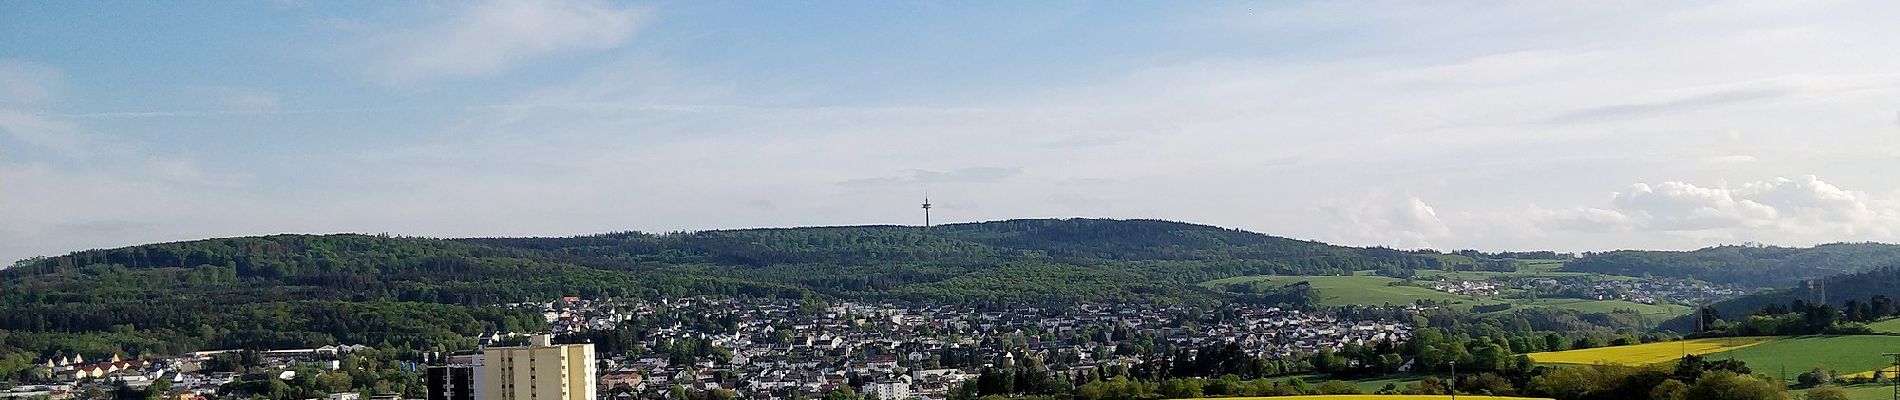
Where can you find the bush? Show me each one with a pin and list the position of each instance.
(1338, 387)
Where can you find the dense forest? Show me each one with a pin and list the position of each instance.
(1855, 296)
(1754, 266)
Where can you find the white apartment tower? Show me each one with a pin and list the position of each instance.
(538, 371)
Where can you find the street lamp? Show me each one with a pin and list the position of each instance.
(1453, 386)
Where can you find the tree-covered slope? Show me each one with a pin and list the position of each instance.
(1860, 287)
(1759, 266)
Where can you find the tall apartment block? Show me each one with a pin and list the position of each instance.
(538, 371)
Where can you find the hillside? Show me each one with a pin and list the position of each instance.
(1757, 266)
(1860, 287)
(287, 290)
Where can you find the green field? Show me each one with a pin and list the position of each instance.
(1864, 392)
(1350, 290)
(1373, 385)
(1657, 312)
(1366, 289)
(1888, 326)
(1367, 385)
(1843, 354)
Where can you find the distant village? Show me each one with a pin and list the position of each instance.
(765, 348)
(1645, 291)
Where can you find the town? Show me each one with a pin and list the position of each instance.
(772, 348)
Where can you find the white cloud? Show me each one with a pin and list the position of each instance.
(486, 38)
(1581, 219)
(1681, 206)
(1401, 222)
(59, 135)
(1803, 209)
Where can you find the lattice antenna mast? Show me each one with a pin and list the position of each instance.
(1896, 374)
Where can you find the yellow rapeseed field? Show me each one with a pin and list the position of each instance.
(1648, 353)
(1888, 372)
(1380, 397)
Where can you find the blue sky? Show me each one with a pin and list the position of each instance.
(1559, 125)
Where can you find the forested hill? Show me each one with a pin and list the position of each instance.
(837, 261)
(1757, 266)
(1840, 291)
(1076, 241)
(290, 290)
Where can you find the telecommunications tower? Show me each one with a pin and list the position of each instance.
(926, 209)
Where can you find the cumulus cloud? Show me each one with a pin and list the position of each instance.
(1794, 206)
(490, 37)
(1406, 222)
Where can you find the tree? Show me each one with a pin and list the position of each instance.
(842, 393)
(1669, 390)
(1720, 385)
(1707, 316)
(1555, 342)
(1883, 306)
(159, 389)
(1337, 387)
(1492, 358)
(1487, 384)
(1826, 392)
(969, 391)
(93, 392)
(1182, 388)
(1815, 377)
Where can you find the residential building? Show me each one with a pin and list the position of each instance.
(452, 382)
(538, 371)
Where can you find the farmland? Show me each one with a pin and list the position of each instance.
(1373, 385)
(1648, 353)
(1884, 373)
(1844, 354)
(1864, 392)
(1656, 311)
(1352, 290)
(1364, 289)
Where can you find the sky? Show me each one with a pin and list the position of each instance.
(1573, 126)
